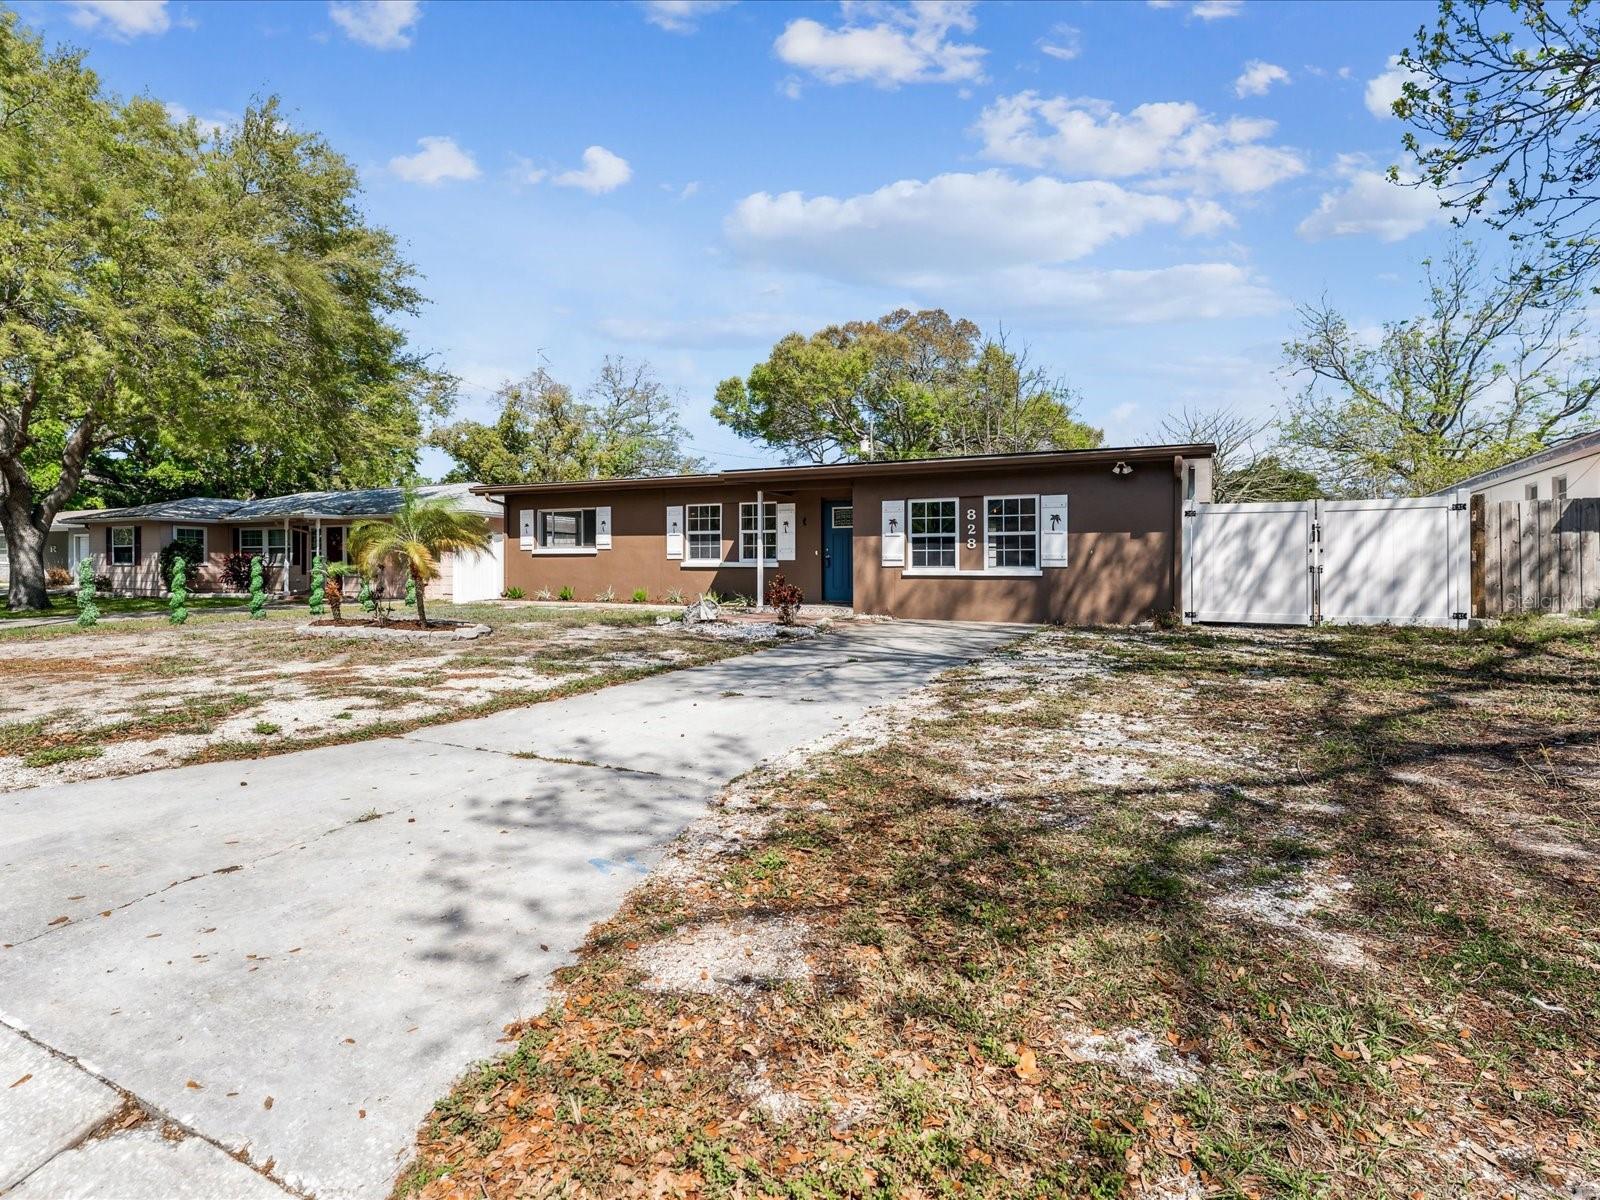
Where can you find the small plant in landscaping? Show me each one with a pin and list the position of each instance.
(319, 585)
(411, 593)
(513, 593)
(369, 603)
(640, 596)
(88, 612)
(171, 553)
(236, 571)
(51, 755)
(675, 596)
(333, 589)
(606, 596)
(57, 577)
(565, 593)
(786, 598)
(264, 728)
(258, 588)
(543, 594)
(178, 603)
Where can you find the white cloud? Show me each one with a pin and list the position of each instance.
(381, 24)
(725, 330)
(1064, 42)
(1206, 10)
(1258, 77)
(440, 159)
(602, 171)
(1369, 205)
(964, 222)
(121, 18)
(1383, 90)
(1169, 143)
(681, 16)
(887, 44)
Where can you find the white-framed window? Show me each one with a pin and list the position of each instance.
(566, 529)
(1011, 532)
(122, 545)
(1530, 491)
(751, 535)
(270, 544)
(703, 524)
(193, 540)
(844, 516)
(933, 534)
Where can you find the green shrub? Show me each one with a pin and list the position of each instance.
(88, 612)
(170, 553)
(258, 589)
(319, 585)
(565, 593)
(368, 603)
(178, 603)
(411, 592)
(513, 593)
(640, 596)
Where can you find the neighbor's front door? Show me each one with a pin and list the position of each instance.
(838, 534)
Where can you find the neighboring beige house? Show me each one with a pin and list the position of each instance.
(284, 531)
(1569, 470)
(64, 545)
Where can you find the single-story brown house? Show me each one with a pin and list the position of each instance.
(284, 531)
(1080, 536)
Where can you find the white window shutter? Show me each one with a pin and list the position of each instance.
(527, 528)
(893, 533)
(1053, 531)
(602, 528)
(785, 533)
(674, 531)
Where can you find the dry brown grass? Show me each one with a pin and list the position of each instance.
(1305, 914)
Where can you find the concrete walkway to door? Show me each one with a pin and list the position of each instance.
(286, 961)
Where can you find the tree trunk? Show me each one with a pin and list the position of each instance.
(25, 548)
(422, 611)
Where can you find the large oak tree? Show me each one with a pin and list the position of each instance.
(220, 299)
(908, 385)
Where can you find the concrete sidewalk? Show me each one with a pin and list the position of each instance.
(288, 960)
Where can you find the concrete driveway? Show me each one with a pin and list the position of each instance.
(286, 961)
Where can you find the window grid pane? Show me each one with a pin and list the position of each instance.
(748, 532)
(933, 533)
(704, 524)
(1012, 523)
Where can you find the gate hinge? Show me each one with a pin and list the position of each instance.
(1458, 616)
(1191, 512)
(1190, 615)
(1458, 506)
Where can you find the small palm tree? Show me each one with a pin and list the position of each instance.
(416, 537)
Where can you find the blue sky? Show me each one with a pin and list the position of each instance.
(1139, 192)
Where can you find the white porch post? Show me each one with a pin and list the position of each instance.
(287, 546)
(761, 550)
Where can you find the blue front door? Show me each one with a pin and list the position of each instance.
(838, 533)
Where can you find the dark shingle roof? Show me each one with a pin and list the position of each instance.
(370, 502)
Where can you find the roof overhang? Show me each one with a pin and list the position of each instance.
(803, 476)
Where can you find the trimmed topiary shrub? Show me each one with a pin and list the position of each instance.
(319, 585)
(258, 588)
(178, 602)
(88, 612)
(411, 592)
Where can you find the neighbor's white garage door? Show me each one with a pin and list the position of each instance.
(479, 576)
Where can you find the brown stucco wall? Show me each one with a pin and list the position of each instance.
(638, 554)
(1121, 542)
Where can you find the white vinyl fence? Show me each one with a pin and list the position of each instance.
(1359, 562)
(479, 576)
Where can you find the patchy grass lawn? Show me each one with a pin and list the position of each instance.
(1309, 913)
(67, 606)
(131, 696)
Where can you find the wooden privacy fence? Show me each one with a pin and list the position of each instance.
(1535, 556)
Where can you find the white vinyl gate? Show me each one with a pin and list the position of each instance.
(479, 576)
(1358, 562)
